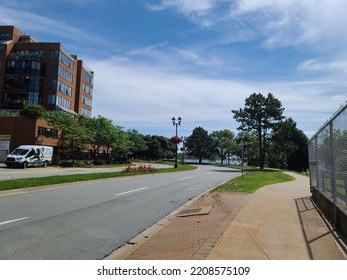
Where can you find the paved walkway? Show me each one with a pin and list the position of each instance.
(276, 222)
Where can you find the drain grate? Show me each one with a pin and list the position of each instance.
(195, 211)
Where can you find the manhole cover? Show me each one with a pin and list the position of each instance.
(195, 211)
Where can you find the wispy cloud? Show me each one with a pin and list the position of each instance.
(324, 66)
(42, 25)
(125, 92)
(203, 76)
(197, 11)
(283, 23)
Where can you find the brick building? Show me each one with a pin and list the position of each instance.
(44, 73)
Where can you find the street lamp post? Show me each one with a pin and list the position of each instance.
(179, 120)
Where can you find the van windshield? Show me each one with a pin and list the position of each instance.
(20, 152)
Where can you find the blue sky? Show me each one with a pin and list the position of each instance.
(155, 59)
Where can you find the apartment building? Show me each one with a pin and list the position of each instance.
(44, 73)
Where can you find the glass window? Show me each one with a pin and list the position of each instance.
(88, 77)
(86, 112)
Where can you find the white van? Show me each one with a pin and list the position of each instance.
(30, 155)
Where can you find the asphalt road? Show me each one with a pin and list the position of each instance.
(89, 220)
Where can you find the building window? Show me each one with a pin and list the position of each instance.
(87, 89)
(5, 36)
(34, 98)
(58, 70)
(88, 77)
(58, 85)
(48, 132)
(85, 112)
(57, 54)
(86, 100)
(60, 101)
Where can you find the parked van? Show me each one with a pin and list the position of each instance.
(30, 155)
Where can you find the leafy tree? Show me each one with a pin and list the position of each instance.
(155, 150)
(121, 146)
(199, 144)
(260, 115)
(250, 147)
(72, 133)
(224, 143)
(298, 159)
(101, 133)
(289, 147)
(138, 146)
(33, 111)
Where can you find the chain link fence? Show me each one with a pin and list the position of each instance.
(328, 165)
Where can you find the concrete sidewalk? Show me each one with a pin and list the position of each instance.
(280, 222)
(276, 222)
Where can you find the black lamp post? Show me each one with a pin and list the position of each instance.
(179, 120)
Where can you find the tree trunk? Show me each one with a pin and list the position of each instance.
(261, 153)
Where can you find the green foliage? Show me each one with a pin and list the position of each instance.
(250, 147)
(73, 133)
(199, 144)
(33, 111)
(254, 180)
(138, 146)
(101, 132)
(289, 147)
(260, 115)
(224, 143)
(78, 163)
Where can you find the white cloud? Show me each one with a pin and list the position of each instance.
(186, 7)
(143, 97)
(338, 66)
(38, 25)
(293, 22)
(315, 23)
(167, 79)
(196, 11)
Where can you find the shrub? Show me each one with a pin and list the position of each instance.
(99, 162)
(66, 164)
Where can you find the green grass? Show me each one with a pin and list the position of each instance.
(254, 179)
(61, 179)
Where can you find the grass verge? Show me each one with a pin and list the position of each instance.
(254, 179)
(61, 179)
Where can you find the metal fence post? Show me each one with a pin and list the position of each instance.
(333, 169)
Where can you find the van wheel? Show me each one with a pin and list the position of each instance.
(25, 165)
(45, 164)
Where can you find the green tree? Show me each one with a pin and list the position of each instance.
(155, 150)
(138, 146)
(250, 147)
(199, 144)
(224, 143)
(289, 147)
(33, 111)
(260, 114)
(121, 146)
(101, 132)
(72, 133)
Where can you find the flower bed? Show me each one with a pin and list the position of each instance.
(139, 168)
